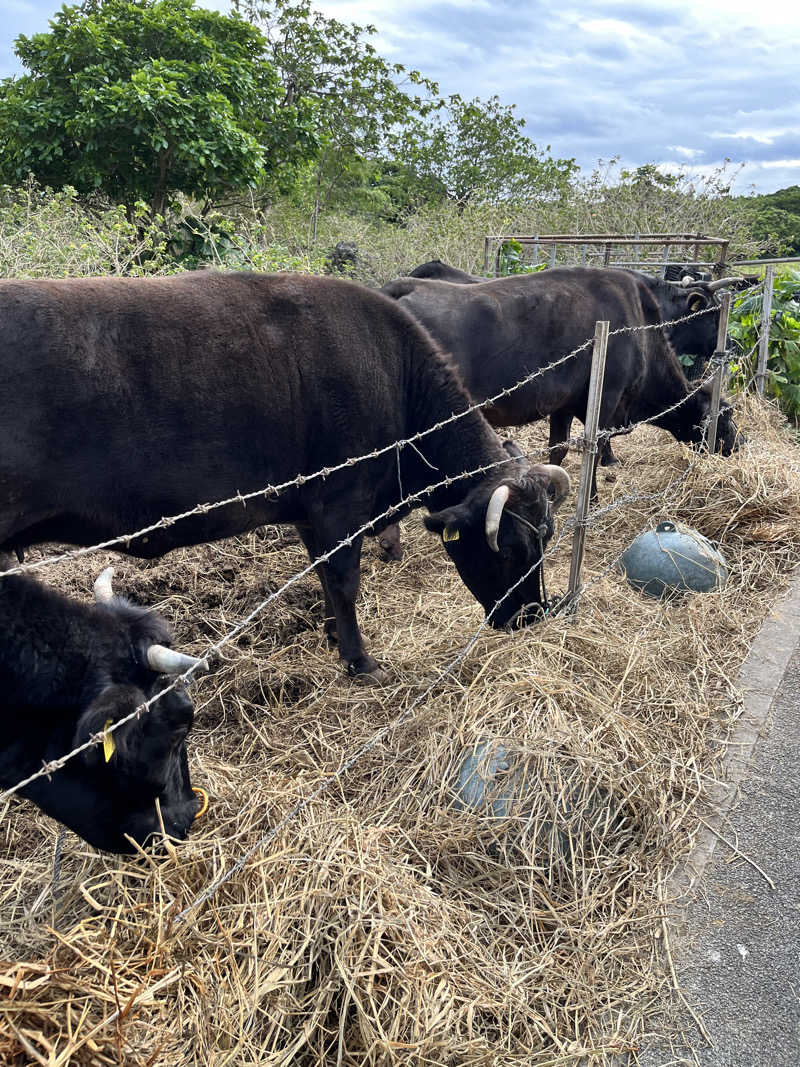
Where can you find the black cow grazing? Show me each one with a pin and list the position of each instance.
(500, 331)
(695, 338)
(127, 399)
(67, 671)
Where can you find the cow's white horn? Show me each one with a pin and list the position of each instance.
(103, 591)
(560, 479)
(721, 283)
(167, 661)
(494, 512)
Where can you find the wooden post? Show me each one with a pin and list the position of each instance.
(589, 457)
(553, 254)
(486, 255)
(763, 342)
(666, 261)
(583, 255)
(607, 255)
(720, 359)
(536, 251)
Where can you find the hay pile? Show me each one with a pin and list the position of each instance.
(385, 925)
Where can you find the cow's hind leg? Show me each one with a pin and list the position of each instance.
(340, 578)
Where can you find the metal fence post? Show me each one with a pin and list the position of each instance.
(763, 343)
(720, 360)
(589, 457)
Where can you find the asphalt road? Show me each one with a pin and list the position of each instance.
(736, 943)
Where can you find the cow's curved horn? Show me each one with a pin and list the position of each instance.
(494, 512)
(687, 280)
(559, 477)
(721, 283)
(167, 661)
(103, 591)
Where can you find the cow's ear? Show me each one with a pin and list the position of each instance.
(449, 523)
(697, 301)
(114, 703)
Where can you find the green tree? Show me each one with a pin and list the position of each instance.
(776, 220)
(141, 99)
(360, 103)
(477, 149)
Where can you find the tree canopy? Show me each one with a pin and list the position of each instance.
(476, 148)
(141, 99)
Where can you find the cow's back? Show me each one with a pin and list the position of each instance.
(153, 395)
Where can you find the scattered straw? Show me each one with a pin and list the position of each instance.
(385, 925)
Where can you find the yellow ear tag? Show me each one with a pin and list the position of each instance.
(108, 741)
(450, 535)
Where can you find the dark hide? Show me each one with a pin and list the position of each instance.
(66, 668)
(443, 272)
(559, 424)
(503, 330)
(696, 338)
(129, 399)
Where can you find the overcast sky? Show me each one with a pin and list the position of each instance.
(665, 81)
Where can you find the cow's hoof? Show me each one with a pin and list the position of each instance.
(377, 677)
(367, 671)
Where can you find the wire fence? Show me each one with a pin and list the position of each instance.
(51, 766)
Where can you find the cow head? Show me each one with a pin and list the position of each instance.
(692, 427)
(696, 337)
(138, 779)
(497, 534)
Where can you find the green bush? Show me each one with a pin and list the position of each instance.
(46, 234)
(783, 360)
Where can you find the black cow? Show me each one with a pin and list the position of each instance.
(695, 338)
(125, 399)
(500, 331)
(67, 671)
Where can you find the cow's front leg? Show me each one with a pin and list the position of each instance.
(340, 578)
(558, 445)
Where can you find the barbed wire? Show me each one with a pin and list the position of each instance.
(324, 472)
(51, 766)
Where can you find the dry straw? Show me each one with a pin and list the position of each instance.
(385, 925)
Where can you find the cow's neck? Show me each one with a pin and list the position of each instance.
(28, 740)
(685, 421)
(465, 444)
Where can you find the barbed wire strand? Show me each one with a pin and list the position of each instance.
(50, 766)
(325, 472)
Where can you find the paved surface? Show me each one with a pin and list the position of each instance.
(736, 943)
